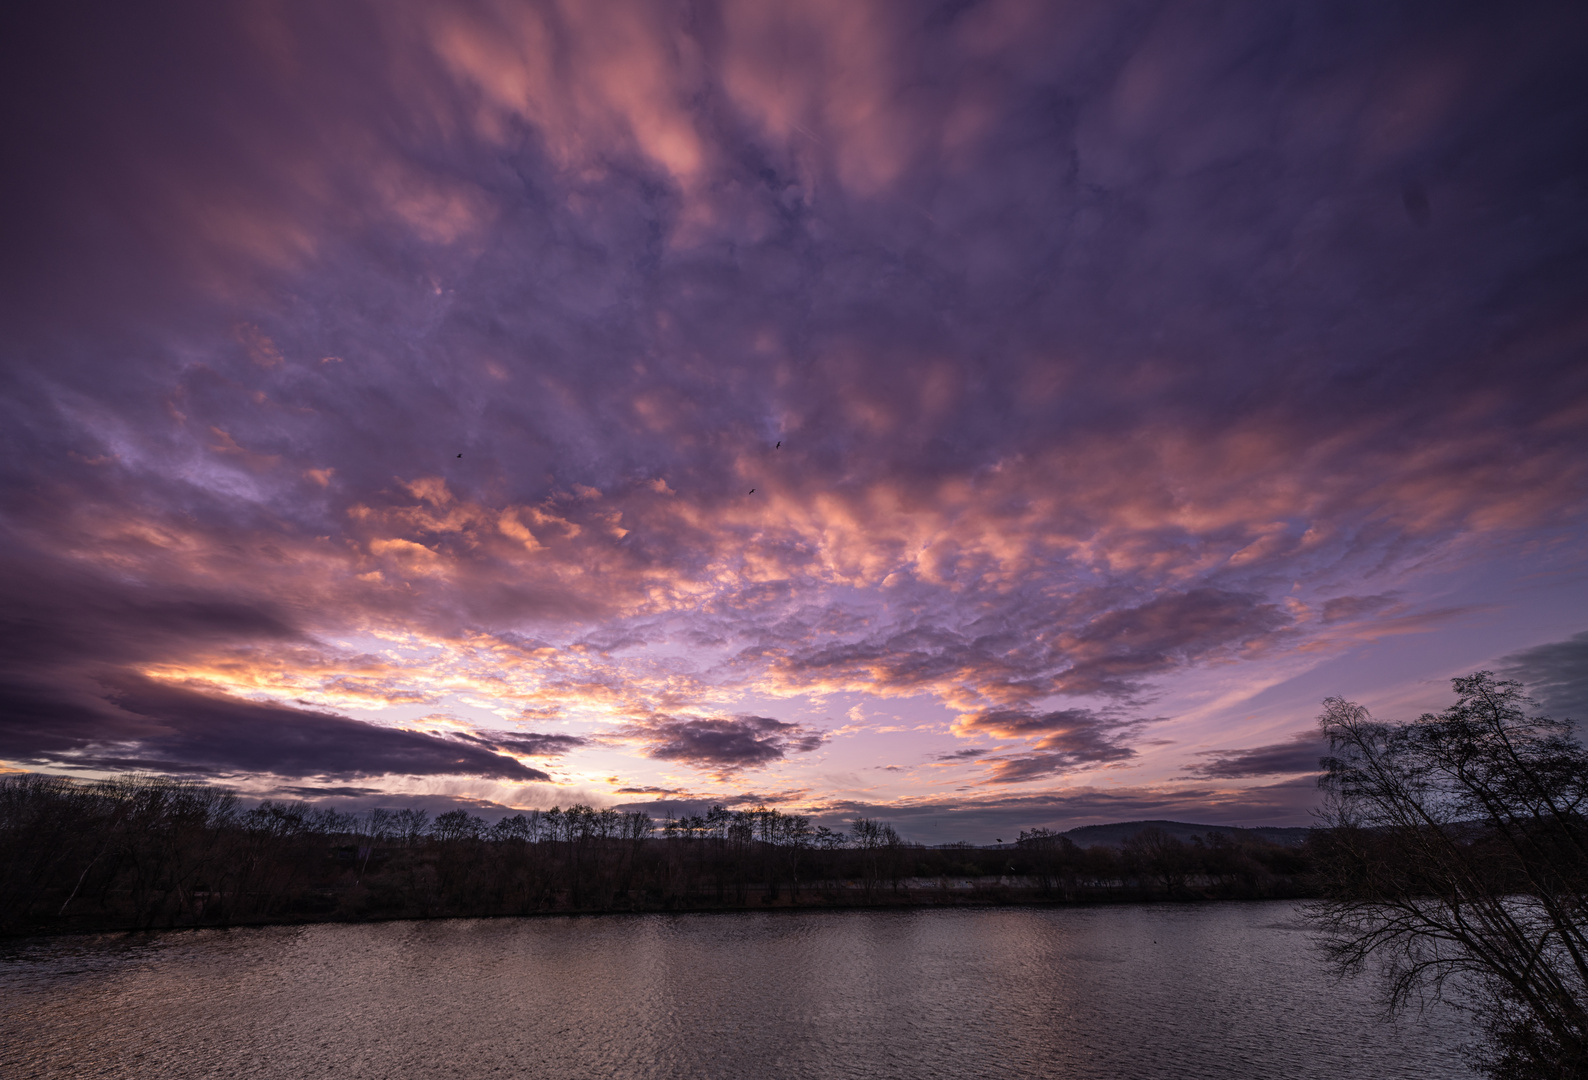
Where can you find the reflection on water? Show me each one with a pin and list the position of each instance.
(1229, 990)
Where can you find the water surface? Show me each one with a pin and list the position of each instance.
(1219, 990)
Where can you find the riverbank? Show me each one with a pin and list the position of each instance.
(1002, 892)
(151, 854)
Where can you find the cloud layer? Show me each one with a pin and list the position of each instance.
(642, 389)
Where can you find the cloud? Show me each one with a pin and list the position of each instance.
(1016, 652)
(1067, 739)
(534, 744)
(970, 753)
(1116, 651)
(1299, 754)
(1556, 675)
(195, 731)
(724, 745)
(72, 691)
(328, 791)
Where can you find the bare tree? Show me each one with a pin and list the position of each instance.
(879, 845)
(456, 825)
(410, 825)
(1161, 858)
(1052, 856)
(1456, 859)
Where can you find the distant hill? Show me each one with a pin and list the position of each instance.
(1116, 834)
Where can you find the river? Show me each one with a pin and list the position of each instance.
(1224, 991)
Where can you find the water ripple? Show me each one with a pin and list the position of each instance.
(1226, 991)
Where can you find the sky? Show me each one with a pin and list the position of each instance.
(974, 415)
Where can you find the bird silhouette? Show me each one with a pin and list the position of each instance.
(752, 491)
(460, 455)
(779, 445)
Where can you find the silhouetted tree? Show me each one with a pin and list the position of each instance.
(1160, 858)
(456, 825)
(879, 846)
(1457, 847)
(409, 825)
(1052, 857)
(828, 839)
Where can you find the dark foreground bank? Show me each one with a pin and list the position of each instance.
(156, 853)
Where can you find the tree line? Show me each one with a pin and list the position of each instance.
(155, 852)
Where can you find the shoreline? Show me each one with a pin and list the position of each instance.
(904, 903)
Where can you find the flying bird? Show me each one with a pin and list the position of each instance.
(779, 445)
(752, 491)
(460, 455)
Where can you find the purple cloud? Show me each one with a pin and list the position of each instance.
(970, 753)
(1064, 740)
(725, 745)
(190, 731)
(1118, 650)
(534, 744)
(1300, 754)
